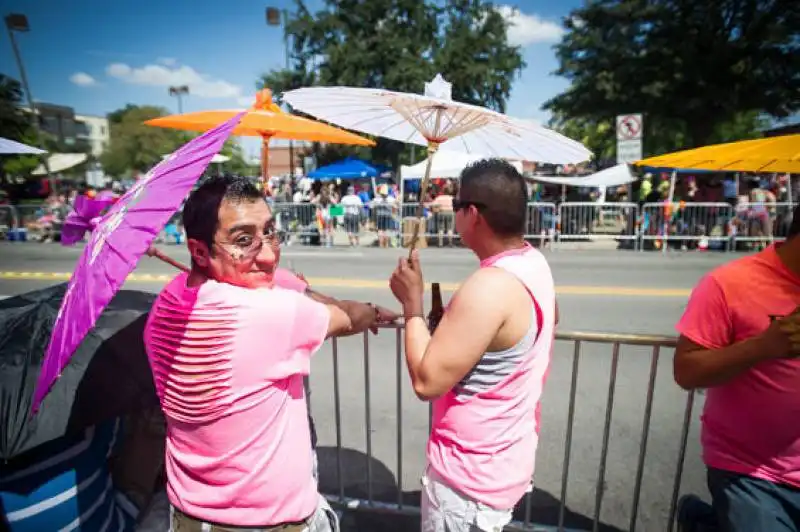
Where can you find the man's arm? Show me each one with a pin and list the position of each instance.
(695, 366)
(350, 317)
(361, 316)
(706, 354)
(472, 321)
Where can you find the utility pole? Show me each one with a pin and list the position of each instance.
(179, 92)
(18, 22)
(280, 17)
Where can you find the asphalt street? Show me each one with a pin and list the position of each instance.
(601, 291)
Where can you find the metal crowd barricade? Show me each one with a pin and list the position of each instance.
(366, 501)
(760, 223)
(296, 221)
(542, 221)
(685, 225)
(28, 214)
(598, 221)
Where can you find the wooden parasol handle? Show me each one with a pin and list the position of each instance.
(423, 188)
(158, 254)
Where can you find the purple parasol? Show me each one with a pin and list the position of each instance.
(84, 217)
(123, 235)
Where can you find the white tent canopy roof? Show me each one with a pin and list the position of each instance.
(610, 177)
(12, 147)
(60, 162)
(446, 164)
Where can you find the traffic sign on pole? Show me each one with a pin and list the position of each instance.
(629, 138)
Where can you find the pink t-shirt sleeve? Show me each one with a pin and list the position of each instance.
(707, 319)
(310, 324)
(282, 330)
(286, 279)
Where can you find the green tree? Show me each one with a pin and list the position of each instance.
(237, 163)
(14, 123)
(135, 146)
(399, 45)
(598, 136)
(693, 68)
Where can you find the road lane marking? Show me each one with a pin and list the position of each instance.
(332, 282)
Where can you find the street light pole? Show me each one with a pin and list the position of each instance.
(178, 92)
(18, 22)
(278, 17)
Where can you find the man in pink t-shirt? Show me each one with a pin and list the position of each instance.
(229, 345)
(740, 338)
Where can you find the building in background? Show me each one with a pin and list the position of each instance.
(93, 129)
(77, 133)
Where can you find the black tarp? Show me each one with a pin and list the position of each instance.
(108, 375)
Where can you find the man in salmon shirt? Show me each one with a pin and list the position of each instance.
(229, 346)
(740, 339)
(485, 366)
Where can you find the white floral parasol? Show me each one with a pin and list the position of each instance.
(435, 120)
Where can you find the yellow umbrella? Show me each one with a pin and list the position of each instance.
(266, 120)
(771, 154)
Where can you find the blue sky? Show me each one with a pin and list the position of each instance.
(96, 55)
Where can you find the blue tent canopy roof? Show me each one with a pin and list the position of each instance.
(349, 168)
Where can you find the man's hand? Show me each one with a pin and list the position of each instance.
(386, 316)
(782, 338)
(407, 285)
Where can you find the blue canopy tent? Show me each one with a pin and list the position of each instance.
(349, 168)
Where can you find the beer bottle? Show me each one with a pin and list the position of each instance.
(437, 308)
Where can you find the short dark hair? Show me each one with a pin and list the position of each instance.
(201, 212)
(794, 228)
(501, 189)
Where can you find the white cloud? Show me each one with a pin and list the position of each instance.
(82, 79)
(525, 29)
(167, 61)
(156, 75)
(246, 101)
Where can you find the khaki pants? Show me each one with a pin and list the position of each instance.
(324, 519)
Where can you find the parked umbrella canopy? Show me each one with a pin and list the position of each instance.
(266, 120)
(771, 154)
(12, 147)
(349, 168)
(109, 375)
(434, 119)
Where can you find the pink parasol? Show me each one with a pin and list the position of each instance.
(123, 235)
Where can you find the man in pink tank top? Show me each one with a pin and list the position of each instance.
(740, 339)
(485, 365)
(229, 344)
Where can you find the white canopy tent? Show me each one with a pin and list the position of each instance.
(610, 177)
(446, 164)
(59, 162)
(12, 147)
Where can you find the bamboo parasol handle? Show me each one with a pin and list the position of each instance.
(423, 188)
(158, 254)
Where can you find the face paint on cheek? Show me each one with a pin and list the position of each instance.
(237, 254)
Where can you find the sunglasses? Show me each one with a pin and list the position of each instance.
(459, 204)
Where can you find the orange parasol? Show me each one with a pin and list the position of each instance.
(266, 120)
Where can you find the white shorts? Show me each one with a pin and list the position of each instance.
(446, 510)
